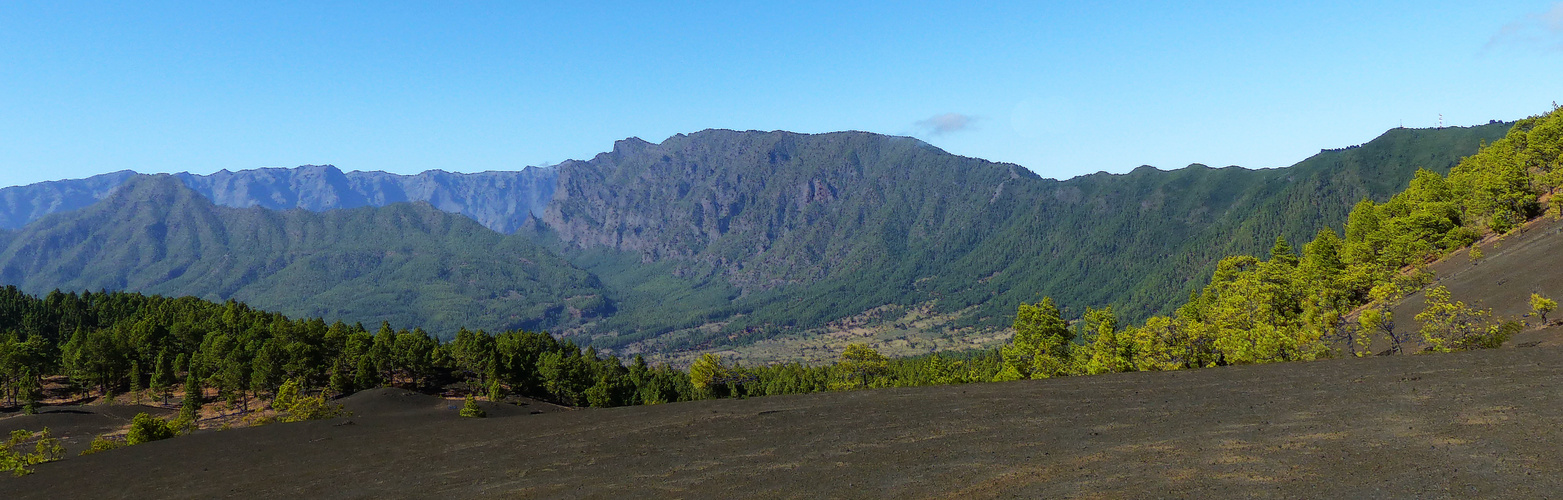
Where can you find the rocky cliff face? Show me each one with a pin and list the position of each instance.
(765, 209)
(502, 201)
(810, 228)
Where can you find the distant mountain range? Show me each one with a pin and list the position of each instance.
(502, 201)
(406, 263)
(716, 237)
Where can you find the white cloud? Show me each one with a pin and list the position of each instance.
(1542, 30)
(946, 123)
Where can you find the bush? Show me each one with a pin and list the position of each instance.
(101, 444)
(312, 408)
(293, 406)
(1452, 325)
(146, 428)
(45, 449)
(471, 408)
(1497, 335)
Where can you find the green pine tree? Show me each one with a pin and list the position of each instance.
(495, 391)
(366, 376)
(471, 409)
(1040, 348)
(341, 381)
(135, 381)
(190, 408)
(162, 375)
(31, 392)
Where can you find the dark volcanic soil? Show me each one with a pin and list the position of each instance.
(77, 425)
(1527, 261)
(1479, 424)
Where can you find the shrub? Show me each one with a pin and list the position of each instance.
(1452, 325)
(293, 406)
(103, 443)
(1540, 305)
(46, 448)
(146, 428)
(471, 408)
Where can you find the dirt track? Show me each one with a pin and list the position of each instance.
(1478, 424)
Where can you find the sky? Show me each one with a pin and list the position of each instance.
(1061, 88)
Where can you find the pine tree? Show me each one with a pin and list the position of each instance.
(190, 408)
(471, 408)
(162, 375)
(382, 352)
(704, 372)
(341, 381)
(30, 392)
(495, 391)
(266, 369)
(1109, 352)
(135, 381)
(1282, 252)
(860, 365)
(287, 395)
(1040, 348)
(1450, 325)
(366, 376)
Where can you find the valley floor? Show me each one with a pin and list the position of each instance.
(1474, 424)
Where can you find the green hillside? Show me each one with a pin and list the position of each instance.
(727, 237)
(757, 234)
(408, 264)
(1342, 294)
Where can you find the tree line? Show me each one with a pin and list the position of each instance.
(106, 343)
(111, 342)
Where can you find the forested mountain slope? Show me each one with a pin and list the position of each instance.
(1402, 277)
(800, 230)
(409, 264)
(733, 236)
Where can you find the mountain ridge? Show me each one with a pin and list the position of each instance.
(500, 200)
(724, 236)
(407, 263)
(20, 205)
(811, 228)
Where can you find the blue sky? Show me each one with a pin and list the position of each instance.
(1060, 88)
